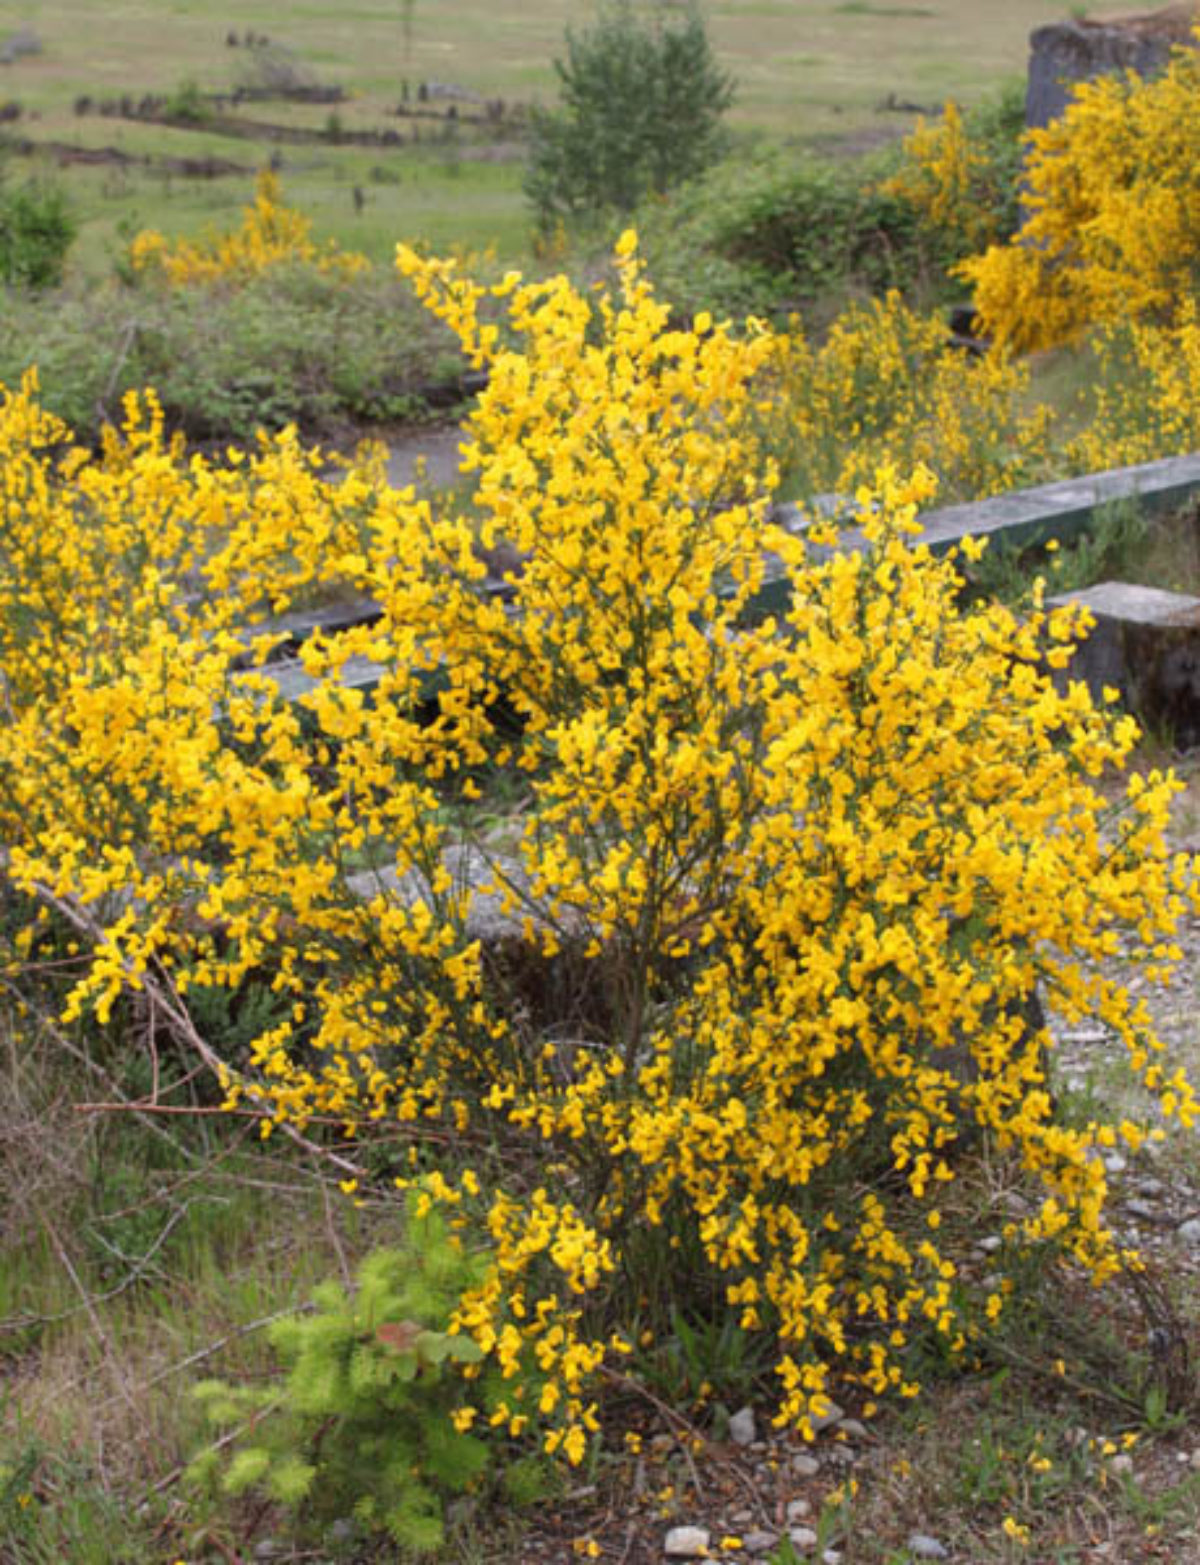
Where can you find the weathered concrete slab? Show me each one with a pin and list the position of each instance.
(1063, 54)
(1146, 643)
(293, 681)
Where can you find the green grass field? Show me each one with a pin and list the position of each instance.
(814, 70)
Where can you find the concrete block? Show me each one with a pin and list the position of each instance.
(1146, 643)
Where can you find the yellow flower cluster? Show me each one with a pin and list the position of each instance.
(812, 868)
(271, 234)
(886, 386)
(1146, 394)
(942, 177)
(1113, 221)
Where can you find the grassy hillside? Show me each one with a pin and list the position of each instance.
(814, 69)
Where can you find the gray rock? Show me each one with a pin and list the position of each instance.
(797, 1510)
(927, 1548)
(1141, 1210)
(686, 1543)
(1190, 1231)
(742, 1427)
(470, 869)
(803, 1537)
(853, 1428)
(822, 1421)
(805, 1466)
(759, 1541)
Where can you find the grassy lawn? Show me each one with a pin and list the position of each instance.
(806, 69)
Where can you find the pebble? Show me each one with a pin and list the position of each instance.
(805, 1466)
(1195, 1459)
(760, 1541)
(1121, 1464)
(927, 1548)
(831, 1557)
(797, 1510)
(852, 1427)
(821, 1421)
(686, 1543)
(991, 1244)
(1190, 1231)
(803, 1537)
(1151, 1187)
(1115, 1163)
(742, 1428)
(1141, 1209)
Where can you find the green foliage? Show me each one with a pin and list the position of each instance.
(36, 231)
(188, 104)
(769, 232)
(285, 347)
(640, 112)
(54, 1507)
(362, 1424)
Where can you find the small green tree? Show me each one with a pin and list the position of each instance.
(641, 111)
(36, 231)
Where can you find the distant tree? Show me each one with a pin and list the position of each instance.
(640, 111)
(36, 231)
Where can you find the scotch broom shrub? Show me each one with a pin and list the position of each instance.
(1113, 222)
(818, 864)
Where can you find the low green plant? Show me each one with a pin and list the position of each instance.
(188, 104)
(286, 347)
(367, 1421)
(36, 232)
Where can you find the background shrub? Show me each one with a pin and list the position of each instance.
(36, 232)
(641, 105)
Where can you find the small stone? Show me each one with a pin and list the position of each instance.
(1151, 1187)
(803, 1537)
(927, 1548)
(991, 1244)
(805, 1466)
(1115, 1163)
(1141, 1210)
(1121, 1464)
(797, 1510)
(826, 1420)
(686, 1543)
(760, 1541)
(742, 1428)
(831, 1557)
(1190, 1231)
(853, 1428)
(1194, 1460)
(269, 1549)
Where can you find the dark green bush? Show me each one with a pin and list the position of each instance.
(771, 231)
(640, 111)
(36, 231)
